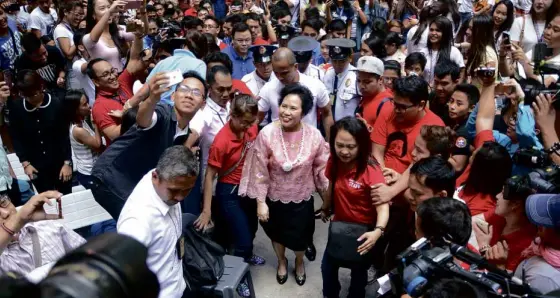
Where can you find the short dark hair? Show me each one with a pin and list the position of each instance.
(394, 38)
(414, 88)
(239, 27)
(242, 104)
(471, 91)
(150, 8)
(315, 24)
(359, 131)
(454, 288)
(191, 23)
(212, 72)
(213, 18)
(490, 168)
(30, 42)
(439, 173)
(194, 74)
(89, 68)
(252, 16)
(336, 25)
(219, 57)
(415, 58)
(78, 37)
(447, 67)
(379, 27)
(234, 19)
(29, 80)
(393, 65)
(280, 13)
(304, 94)
(197, 43)
(445, 218)
(440, 140)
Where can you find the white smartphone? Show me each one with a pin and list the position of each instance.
(175, 77)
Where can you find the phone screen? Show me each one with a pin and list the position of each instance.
(505, 38)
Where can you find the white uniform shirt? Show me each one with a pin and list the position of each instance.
(431, 61)
(254, 82)
(315, 72)
(207, 123)
(146, 218)
(45, 22)
(347, 98)
(270, 96)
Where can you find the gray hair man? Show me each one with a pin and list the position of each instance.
(153, 216)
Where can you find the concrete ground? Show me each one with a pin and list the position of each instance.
(264, 277)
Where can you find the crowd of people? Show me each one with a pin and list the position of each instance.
(406, 118)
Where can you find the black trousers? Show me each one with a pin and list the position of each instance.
(48, 178)
(107, 198)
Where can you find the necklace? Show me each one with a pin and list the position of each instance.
(40, 106)
(288, 165)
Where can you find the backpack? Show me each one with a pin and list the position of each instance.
(203, 262)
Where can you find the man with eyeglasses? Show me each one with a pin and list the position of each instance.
(158, 127)
(212, 26)
(370, 85)
(114, 93)
(29, 228)
(238, 51)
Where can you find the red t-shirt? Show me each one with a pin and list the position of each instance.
(352, 199)
(240, 86)
(370, 106)
(105, 102)
(517, 241)
(226, 151)
(191, 12)
(222, 45)
(479, 140)
(259, 41)
(399, 140)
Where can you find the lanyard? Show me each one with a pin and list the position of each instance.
(218, 114)
(539, 38)
(14, 41)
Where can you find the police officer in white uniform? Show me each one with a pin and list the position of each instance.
(263, 68)
(303, 47)
(340, 79)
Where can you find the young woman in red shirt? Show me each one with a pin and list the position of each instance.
(351, 173)
(225, 160)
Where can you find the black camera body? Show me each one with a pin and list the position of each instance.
(531, 158)
(544, 180)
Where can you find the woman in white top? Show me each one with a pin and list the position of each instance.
(503, 16)
(417, 36)
(528, 30)
(85, 140)
(105, 39)
(482, 52)
(71, 13)
(440, 47)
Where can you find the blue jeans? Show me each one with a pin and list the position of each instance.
(331, 284)
(85, 180)
(240, 217)
(192, 203)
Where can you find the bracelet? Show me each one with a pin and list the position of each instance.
(8, 230)
(484, 248)
(555, 148)
(382, 229)
(26, 165)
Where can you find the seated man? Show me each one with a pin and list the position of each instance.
(152, 215)
(26, 243)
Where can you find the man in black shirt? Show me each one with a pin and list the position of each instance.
(46, 60)
(446, 77)
(460, 105)
(40, 135)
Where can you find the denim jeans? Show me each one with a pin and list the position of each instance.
(331, 284)
(239, 214)
(191, 204)
(85, 180)
(107, 199)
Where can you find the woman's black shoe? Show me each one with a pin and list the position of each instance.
(281, 279)
(300, 280)
(311, 252)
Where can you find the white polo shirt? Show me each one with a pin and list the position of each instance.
(314, 72)
(146, 218)
(270, 96)
(347, 98)
(207, 123)
(254, 82)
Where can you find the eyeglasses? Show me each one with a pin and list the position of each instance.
(186, 89)
(243, 41)
(106, 74)
(209, 27)
(4, 201)
(401, 107)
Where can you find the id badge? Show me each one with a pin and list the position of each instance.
(180, 247)
(331, 97)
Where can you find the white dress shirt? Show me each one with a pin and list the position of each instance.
(207, 123)
(347, 98)
(270, 96)
(315, 72)
(254, 82)
(158, 226)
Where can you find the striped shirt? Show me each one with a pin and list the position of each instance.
(83, 155)
(55, 241)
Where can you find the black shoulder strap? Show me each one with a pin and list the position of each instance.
(386, 99)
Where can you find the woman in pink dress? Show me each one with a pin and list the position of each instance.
(282, 170)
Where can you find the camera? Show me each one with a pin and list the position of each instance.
(532, 88)
(488, 72)
(545, 180)
(172, 28)
(110, 266)
(531, 158)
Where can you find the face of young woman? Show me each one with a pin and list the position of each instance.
(420, 150)
(541, 6)
(345, 146)
(100, 8)
(435, 34)
(552, 33)
(469, 32)
(84, 109)
(500, 14)
(324, 51)
(290, 111)
(390, 49)
(365, 50)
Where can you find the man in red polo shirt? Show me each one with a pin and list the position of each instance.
(114, 91)
(374, 95)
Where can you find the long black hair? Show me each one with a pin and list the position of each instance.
(490, 156)
(444, 25)
(506, 25)
(360, 133)
(72, 102)
(427, 15)
(450, 7)
(482, 29)
(113, 28)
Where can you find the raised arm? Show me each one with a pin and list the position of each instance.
(135, 64)
(486, 109)
(98, 29)
(146, 110)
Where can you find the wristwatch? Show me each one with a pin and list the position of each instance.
(68, 163)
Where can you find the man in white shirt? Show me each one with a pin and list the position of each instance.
(285, 69)
(42, 19)
(262, 74)
(152, 215)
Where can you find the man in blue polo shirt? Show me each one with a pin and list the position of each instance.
(238, 51)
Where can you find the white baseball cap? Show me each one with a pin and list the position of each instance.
(370, 64)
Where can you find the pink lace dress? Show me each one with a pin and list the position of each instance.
(288, 194)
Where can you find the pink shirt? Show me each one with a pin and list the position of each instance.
(263, 175)
(100, 49)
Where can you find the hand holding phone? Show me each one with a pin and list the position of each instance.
(175, 77)
(505, 38)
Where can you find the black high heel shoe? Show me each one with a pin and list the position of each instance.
(300, 279)
(281, 279)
